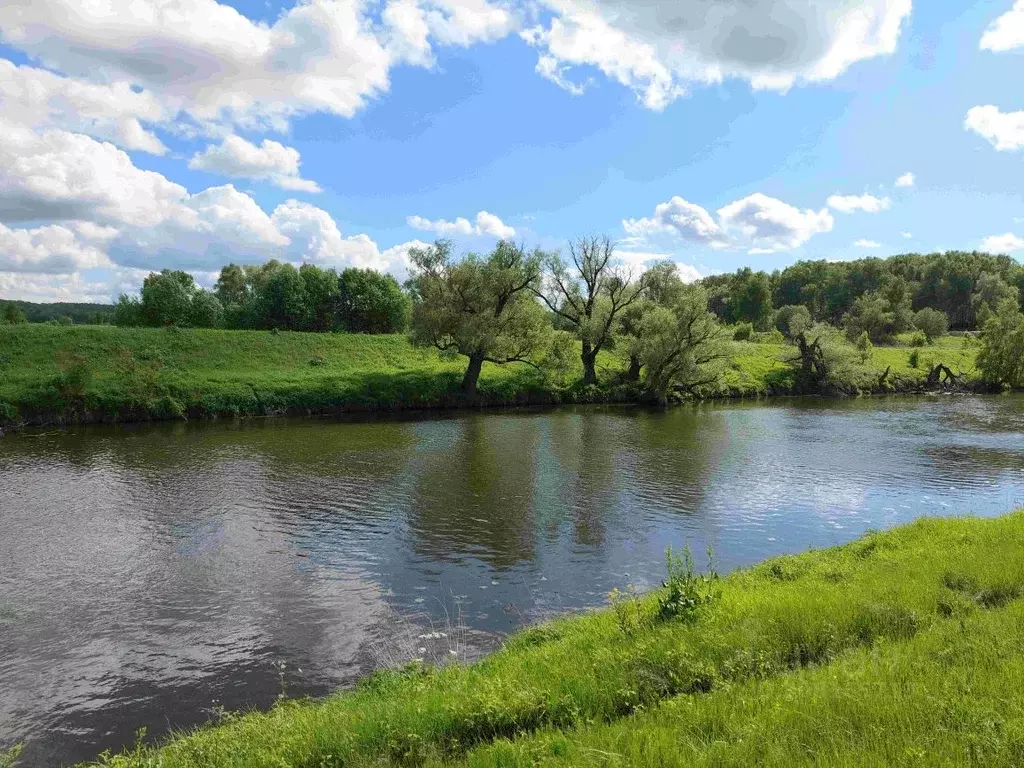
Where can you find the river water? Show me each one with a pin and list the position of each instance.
(152, 575)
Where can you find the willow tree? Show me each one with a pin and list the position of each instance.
(480, 307)
(680, 346)
(589, 295)
(661, 286)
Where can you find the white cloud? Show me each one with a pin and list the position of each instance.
(906, 235)
(770, 225)
(679, 217)
(51, 250)
(208, 60)
(906, 180)
(240, 159)
(759, 223)
(1003, 130)
(1006, 32)
(93, 208)
(1003, 243)
(486, 224)
(39, 99)
(659, 50)
(852, 203)
(862, 243)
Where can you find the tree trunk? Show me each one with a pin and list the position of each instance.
(589, 358)
(476, 362)
(633, 374)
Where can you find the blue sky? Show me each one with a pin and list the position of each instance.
(144, 147)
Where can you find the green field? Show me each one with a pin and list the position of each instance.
(902, 648)
(103, 373)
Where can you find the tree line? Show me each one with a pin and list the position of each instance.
(882, 294)
(274, 295)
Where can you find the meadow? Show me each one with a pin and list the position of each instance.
(66, 374)
(901, 648)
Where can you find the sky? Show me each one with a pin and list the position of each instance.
(137, 135)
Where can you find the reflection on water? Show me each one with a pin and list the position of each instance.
(152, 574)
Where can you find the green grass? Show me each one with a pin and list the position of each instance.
(916, 612)
(103, 373)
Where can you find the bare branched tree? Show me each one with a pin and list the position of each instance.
(589, 295)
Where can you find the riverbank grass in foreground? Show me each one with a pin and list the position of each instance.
(908, 615)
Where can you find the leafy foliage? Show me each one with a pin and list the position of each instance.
(1001, 358)
(932, 323)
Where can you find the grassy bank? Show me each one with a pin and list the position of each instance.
(719, 672)
(103, 373)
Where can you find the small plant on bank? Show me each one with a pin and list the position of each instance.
(629, 610)
(864, 347)
(918, 339)
(688, 592)
(10, 756)
(915, 359)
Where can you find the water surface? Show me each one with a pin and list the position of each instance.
(152, 575)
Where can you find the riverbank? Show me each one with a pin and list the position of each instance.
(90, 374)
(903, 646)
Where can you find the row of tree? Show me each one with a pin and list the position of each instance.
(534, 308)
(272, 295)
(962, 285)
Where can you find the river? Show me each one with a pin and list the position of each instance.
(153, 575)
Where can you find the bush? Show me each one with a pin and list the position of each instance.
(864, 346)
(918, 339)
(793, 319)
(932, 323)
(915, 359)
(743, 332)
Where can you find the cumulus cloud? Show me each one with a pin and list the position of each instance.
(863, 243)
(486, 224)
(760, 223)
(50, 250)
(240, 159)
(659, 50)
(906, 180)
(70, 203)
(853, 203)
(1003, 130)
(1007, 243)
(1007, 31)
(39, 99)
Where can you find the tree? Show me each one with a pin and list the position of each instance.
(821, 358)
(481, 307)
(167, 298)
(321, 287)
(680, 346)
(931, 322)
(750, 299)
(871, 313)
(232, 285)
(13, 314)
(369, 302)
(1001, 357)
(280, 299)
(661, 286)
(989, 292)
(127, 312)
(207, 311)
(792, 319)
(590, 296)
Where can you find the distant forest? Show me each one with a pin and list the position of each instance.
(69, 313)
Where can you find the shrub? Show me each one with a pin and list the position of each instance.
(918, 339)
(932, 323)
(915, 359)
(864, 346)
(743, 332)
